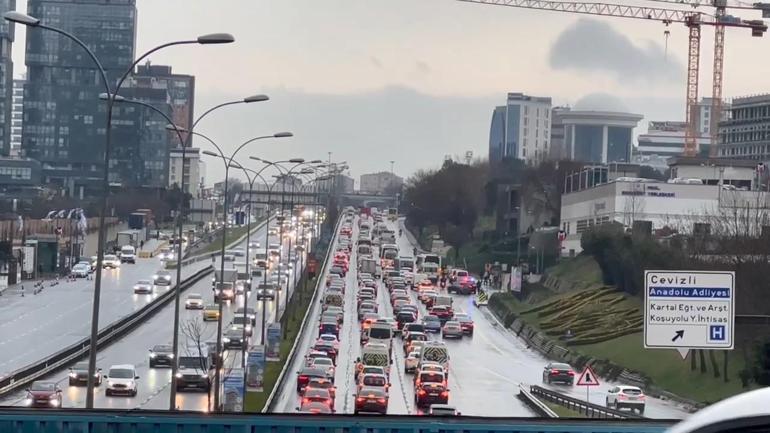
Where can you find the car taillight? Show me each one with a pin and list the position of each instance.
(571, 373)
(622, 396)
(554, 371)
(640, 397)
(305, 400)
(381, 400)
(360, 399)
(421, 392)
(445, 394)
(303, 378)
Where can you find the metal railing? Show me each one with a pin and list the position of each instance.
(280, 383)
(535, 404)
(590, 410)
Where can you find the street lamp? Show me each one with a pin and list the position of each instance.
(227, 161)
(33, 22)
(180, 214)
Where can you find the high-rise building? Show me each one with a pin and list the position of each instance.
(380, 183)
(64, 120)
(746, 135)
(525, 125)
(558, 149)
(189, 168)
(6, 77)
(141, 142)
(17, 115)
(599, 136)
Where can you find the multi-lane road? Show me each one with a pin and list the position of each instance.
(486, 368)
(154, 383)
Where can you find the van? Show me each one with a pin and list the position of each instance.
(442, 301)
(380, 332)
(128, 254)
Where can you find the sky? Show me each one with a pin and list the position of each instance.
(414, 80)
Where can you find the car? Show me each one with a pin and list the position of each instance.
(371, 400)
(44, 394)
(318, 395)
(161, 354)
(409, 327)
(319, 383)
(431, 323)
(443, 312)
(238, 322)
(266, 291)
(452, 328)
(329, 338)
(314, 408)
(194, 301)
(233, 338)
(81, 270)
(405, 317)
(625, 396)
(430, 373)
(558, 372)
(122, 379)
(443, 410)
(336, 310)
(211, 312)
(426, 295)
(466, 323)
(412, 360)
(414, 336)
(428, 393)
(324, 362)
(372, 380)
(110, 261)
(162, 278)
(143, 287)
(251, 315)
(306, 374)
(329, 326)
(79, 375)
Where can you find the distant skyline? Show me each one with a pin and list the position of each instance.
(415, 80)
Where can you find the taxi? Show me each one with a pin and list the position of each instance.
(211, 312)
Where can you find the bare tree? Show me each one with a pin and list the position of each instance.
(634, 203)
(197, 334)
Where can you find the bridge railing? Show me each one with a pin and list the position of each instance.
(590, 410)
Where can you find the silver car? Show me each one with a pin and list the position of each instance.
(452, 329)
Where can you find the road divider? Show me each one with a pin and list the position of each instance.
(284, 375)
(535, 404)
(590, 410)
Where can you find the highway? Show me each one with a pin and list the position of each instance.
(154, 383)
(486, 368)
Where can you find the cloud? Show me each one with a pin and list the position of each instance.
(594, 46)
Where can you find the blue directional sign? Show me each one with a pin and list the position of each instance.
(689, 310)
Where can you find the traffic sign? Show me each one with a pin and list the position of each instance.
(588, 377)
(689, 310)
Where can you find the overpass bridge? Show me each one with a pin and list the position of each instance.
(309, 195)
(23, 420)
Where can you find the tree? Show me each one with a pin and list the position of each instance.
(197, 335)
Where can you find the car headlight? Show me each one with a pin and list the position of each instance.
(204, 375)
(171, 355)
(110, 383)
(179, 375)
(226, 340)
(73, 374)
(152, 355)
(167, 278)
(155, 277)
(27, 402)
(54, 401)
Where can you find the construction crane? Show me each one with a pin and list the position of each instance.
(693, 20)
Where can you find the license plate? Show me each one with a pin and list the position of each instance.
(433, 394)
(632, 398)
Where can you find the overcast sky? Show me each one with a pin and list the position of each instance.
(414, 80)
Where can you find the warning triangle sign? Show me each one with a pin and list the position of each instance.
(588, 378)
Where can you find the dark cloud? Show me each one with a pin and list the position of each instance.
(594, 46)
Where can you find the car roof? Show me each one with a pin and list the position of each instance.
(317, 392)
(123, 366)
(376, 390)
(452, 322)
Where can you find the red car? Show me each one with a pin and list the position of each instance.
(443, 312)
(428, 393)
(318, 395)
(466, 323)
(44, 394)
(305, 375)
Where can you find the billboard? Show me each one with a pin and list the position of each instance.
(516, 279)
(232, 391)
(273, 349)
(255, 369)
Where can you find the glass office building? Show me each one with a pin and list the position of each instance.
(6, 77)
(599, 136)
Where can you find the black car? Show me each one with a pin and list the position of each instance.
(161, 354)
(558, 372)
(416, 327)
(79, 375)
(233, 339)
(44, 394)
(307, 373)
(329, 327)
(162, 278)
(428, 393)
(405, 317)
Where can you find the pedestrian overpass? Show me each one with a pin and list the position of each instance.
(309, 195)
(24, 420)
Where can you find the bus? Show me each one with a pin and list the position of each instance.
(428, 258)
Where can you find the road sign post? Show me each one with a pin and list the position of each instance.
(689, 310)
(588, 379)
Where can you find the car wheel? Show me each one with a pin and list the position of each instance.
(641, 410)
(152, 364)
(607, 402)
(108, 393)
(72, 382)
(134, 392)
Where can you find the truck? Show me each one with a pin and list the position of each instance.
(229, 276)
(368, 266)
(242, 279)
(133, 238)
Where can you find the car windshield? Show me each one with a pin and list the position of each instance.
(380, 333)
(42, 386)
(162, 348)
(194, 297)
(81, 366)
(375, 381)
(191, 362)
(121, 373)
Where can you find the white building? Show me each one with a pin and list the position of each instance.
(190, 169)
(599, 136)
(704, 193)
(378, 183)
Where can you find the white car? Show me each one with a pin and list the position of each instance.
(110, 261)
(411, 361)
(81, 270)
(626, 396)
(194, 301)
(122, 379)
(143, 287)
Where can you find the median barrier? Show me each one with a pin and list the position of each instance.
(590, 410)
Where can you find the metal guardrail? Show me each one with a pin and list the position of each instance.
(581, 406)
(107, 335)
(282, 377)
(535, 404)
